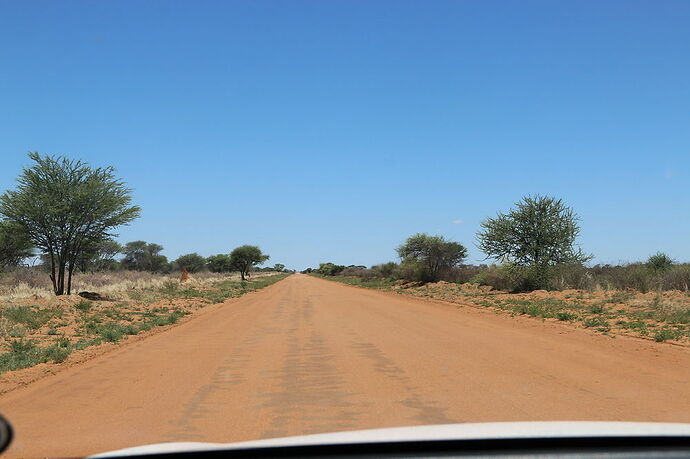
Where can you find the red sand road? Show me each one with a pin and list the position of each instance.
(307, 355)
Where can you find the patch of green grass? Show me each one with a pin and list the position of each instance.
(162, 320)
(18, 331)
(31, 316)
(111, 332)
(115, 313)
(83, 306)
(566, 316)
(598, 307)
(533, 309)
(542, 307)
(676, 316)
(138, 296)
(25, 353)
(486, 303)
(59, 351)
(84, 343)
(596, 322)
(90, 324)
(107, 331)
(666, 333)
(637, 325)
(22, 354)
(130, 329)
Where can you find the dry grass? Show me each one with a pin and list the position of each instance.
(34, 283)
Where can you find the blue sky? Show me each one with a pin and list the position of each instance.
(331, 130)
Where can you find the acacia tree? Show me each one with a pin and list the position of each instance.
(143, 256)
(244, 258)
(539, 233)
(431, 254)
(659, 262)
(64, 206)
(192, 262)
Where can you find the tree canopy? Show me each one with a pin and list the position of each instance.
(245, 257)
(220, 263)
(192, 262)
(64, 206)
(540, 232)
(144, 256)
(330, 269)
(431, 255)
(15, 244)
(659, 262)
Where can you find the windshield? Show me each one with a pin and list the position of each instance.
(234, 221)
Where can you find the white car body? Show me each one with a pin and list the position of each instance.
(474, 431)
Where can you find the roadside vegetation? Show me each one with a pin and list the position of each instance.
(50, 329)
(538, 271)
(65, 282)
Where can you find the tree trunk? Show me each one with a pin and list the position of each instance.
(60, 278)
(52, 272)
(69, 279)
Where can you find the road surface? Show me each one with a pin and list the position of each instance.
(307, 355)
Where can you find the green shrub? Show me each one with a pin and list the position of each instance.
(676, 278)
(111, 332)
(570, 276)
(130, 329)
(192, 262)
(596, 321)
(84, 343)
(659, 262)
(83, 306)
(666, 334)
(636, 325)
(566, 316)
(504, 277)
(59, 351)
(32, 317)
(385, 269)
(597, 308)
(330, 269)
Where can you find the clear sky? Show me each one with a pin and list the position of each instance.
(331, 130)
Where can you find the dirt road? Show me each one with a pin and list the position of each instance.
(307, 355)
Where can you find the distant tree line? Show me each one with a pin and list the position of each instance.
(533, 246)
(63, 212)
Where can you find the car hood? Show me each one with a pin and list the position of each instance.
(472, 431)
